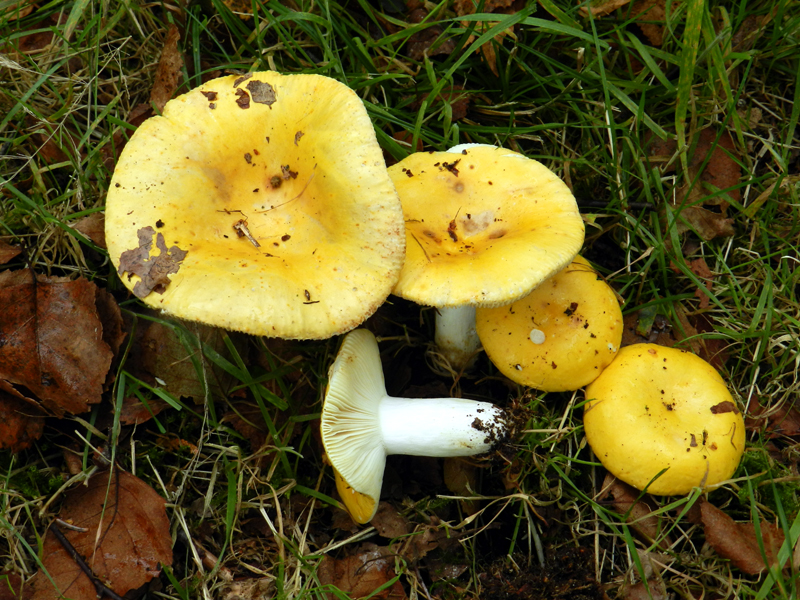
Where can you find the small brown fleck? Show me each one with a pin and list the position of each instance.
(285, 238)
(297, 137)
(239, 80)
(243, 100)
(724, 407)
(572, 308)
(210, 95)
(307, 294)
(248, 158)
(159, 223)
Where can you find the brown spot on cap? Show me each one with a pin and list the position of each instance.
(724, 407)
(261, 92)
(243, 100)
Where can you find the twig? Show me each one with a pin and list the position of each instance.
(100, 588)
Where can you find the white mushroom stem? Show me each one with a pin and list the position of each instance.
(361, 424)
(439, 426)
(456, 336)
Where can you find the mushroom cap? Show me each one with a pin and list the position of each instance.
(259, 203)
(483, 227)
(560, 336)
(350, 423)
(656, 408)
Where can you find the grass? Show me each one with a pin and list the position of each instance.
(590, 97)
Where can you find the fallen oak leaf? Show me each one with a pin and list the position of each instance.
(7, 252)
(650, 16)
(706, 223)
(93, 227)
(154, 271)
(737, 541)
(782, 421)
(699, 267)
(169, 69)
(21, 423)
(361, 574)
(133, 541)
(51, 341)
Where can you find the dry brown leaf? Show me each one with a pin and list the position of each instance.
(508, 7)
(52, 341)
(169, 70)
(18, 10)
(134, 412)
(712, 351)
(7, 252)
(706, 223)
(699, 267)
(650, 13)
(600, 8)
(737, 541)
(11, 586)
(624, 500)
(427, 42)
(388, 522)
(21, 423)
(425, 539)
(126, 542)
(460, 477)
(164, 356)
(750, 30)
(775, 422)
(93, 227)
(361, 574)
(721, 170)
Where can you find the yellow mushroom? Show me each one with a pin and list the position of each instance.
(560, 336)
(657, 409)
(484, 226)
(259, 203)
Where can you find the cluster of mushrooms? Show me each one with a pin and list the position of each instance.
(262, 203)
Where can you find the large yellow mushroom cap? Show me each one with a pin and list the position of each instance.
(655, 408)
(259, 203)
(559, 337)
(484, 226)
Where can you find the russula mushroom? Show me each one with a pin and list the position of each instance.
(259, 203)
(361, 425)
(484, 226)
(560, 336)
(656, 409)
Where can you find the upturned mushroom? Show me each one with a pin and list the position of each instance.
(662, 419)
(361, 425)
(259, 203)
(484, 226)
(559, 337)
